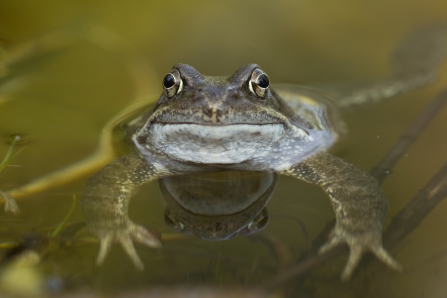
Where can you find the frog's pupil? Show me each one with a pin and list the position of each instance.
(263, 81)
(169, 81)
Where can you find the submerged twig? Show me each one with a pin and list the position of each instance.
(408, 137)
(417, 209)
(282, 252)
(409, 217)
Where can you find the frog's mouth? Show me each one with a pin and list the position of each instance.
(216, 144)
(216, 124)
(223, 133)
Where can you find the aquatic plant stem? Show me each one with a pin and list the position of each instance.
(67, 216)
(10, 203)
(8, 157)
(103, 154)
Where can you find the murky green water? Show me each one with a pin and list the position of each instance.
(75, 65)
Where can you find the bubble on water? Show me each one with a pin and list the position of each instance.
(16, 139)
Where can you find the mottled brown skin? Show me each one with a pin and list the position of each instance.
(359, 205)
(205, 124)
(105, 204)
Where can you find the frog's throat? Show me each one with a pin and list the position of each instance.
(225, 144)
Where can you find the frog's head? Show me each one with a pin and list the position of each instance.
(225, 121)
(243, 98)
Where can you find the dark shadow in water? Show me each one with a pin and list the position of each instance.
(218, 206)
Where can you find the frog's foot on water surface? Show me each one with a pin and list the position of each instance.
(125, 237)
(358, 245)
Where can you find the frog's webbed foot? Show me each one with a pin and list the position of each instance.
(10, 203)
(125, 237)
(358, 245)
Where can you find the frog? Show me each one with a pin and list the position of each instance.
(203, 124)
(242, 122)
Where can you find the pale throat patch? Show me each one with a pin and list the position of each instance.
(211, 144)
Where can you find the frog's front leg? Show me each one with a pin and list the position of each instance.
(105, 203)
(359, 204)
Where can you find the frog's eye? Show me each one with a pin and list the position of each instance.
(172, 83)
(259, 82)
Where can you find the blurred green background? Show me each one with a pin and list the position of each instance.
(72, 65)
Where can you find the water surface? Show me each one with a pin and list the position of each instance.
(77, 64)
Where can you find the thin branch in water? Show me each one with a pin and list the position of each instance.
(282, 252)
(410, 216)
(408, 137)
(383, 168)
(414, 212)
(417, 209)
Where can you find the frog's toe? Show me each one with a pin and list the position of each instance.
(333, 242)
(105, 243)
(355, 254)
(358, 248)
(146, 237)
(358, 245)
(140, 234)
(125, 237)
(127, 244)
(386, 258)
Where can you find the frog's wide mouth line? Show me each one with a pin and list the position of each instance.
(215, 124)
(233, 131)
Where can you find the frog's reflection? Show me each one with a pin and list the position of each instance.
(218, 206)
